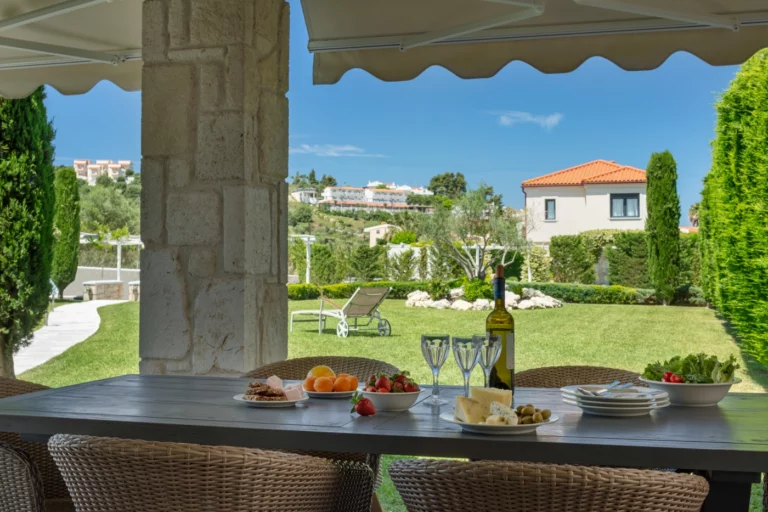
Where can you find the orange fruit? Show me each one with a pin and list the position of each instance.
(352, 382)
(342, 375)
(321, 371)
(309, 383)
(341, 384)
(323, 385)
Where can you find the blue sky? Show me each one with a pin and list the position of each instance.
(503, 130)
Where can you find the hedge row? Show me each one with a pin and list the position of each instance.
(596, 294)
(345, 290)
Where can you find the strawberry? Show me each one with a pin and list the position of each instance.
(397, 387)
(383, 382)
(371, 380)
(411, 386)
(400, 377)
(362, 406)
(382, 390)
(372, 389)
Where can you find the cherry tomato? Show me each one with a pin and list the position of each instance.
(667, 375)
(677, 379)
(665, 379)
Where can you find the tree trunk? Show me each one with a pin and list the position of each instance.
(6, 360)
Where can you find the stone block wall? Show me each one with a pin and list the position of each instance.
(214, 197)
(102, 290)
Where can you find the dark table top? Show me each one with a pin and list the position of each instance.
(732, 436)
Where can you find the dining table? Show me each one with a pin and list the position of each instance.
(727, 443)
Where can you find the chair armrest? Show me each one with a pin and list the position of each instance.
(329, 301)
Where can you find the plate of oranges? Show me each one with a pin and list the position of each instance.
(322, 382)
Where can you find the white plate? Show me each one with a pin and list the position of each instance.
(616, 412)
(497, 430)
(330, 394)
(269, 405)
(619, 404)
(633, 394)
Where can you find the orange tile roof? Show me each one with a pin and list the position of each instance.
(597, 171)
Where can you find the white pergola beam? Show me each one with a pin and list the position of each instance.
(531, 9)
(47, 12)
(63, 51)
(712, 20)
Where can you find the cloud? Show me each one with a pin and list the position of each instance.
(516, 117)
(333, 150)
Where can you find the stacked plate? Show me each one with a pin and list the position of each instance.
(632, 401)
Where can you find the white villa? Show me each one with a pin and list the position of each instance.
(305, 195)
(595, 195)
(90, 170)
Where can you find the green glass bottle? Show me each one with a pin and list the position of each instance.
(500, 323)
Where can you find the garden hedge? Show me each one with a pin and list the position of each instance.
(597, 294)
(734, 208)
(572, 262)
(628, 260)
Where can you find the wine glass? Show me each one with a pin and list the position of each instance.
(490, 350)
(466, 351)
(435, 350)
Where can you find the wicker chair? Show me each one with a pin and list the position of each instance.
(360, 367)
(106, 475)
(22, 485)
(56, 495)
(559, 376)
(447, 485)
(297, 369)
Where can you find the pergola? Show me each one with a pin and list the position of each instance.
(214, 75)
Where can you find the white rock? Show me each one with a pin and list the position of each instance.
(457, 292)
(461, 305)
(424, 303)
(530, 293)
(511, 297)
(481, 304)
(526, 304)
(441, 304)
(417, 297)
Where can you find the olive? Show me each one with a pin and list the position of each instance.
(528, 411)
(538, 410)
(529, 405)
(520, 409)
(537, 418)
(546, 413)
(527, 420)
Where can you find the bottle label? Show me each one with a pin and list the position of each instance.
(510, 350)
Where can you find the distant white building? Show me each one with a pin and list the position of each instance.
(594, 195)
(90, 170)
(344, 194)
(375, 196)
(305, 195)
(378, 232)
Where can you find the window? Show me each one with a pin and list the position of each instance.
(549, 210)
(625, 205)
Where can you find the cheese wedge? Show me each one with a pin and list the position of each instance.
(469, 411)
(487, 395)
(509, 415)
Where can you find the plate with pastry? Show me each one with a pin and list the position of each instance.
(272, 394)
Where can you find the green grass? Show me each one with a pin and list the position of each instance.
(620, 336)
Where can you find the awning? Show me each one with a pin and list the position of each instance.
(69, 45)
(397, 40)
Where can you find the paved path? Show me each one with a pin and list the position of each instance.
(68, 325)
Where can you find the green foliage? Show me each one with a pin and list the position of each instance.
(402, 266)
(627, 260)
(104, 181)
(303, 291)
(448, 184)
(345, 290)
(438, 289)
(512, 264)
(442, 266)
(26, 221)
(597, 294)
(299, 213)
(108, 206)
(663, 224)
(404, 237)
(477, 289)
(423, 264)
(66, 225)
(323, 269)
(734, 208)
(572, 261)
(129, 172)
(367, 263)
(540, 265)
(297, 258)
(690, 260)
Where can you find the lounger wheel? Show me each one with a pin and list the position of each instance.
(342, 329)
(384, 328)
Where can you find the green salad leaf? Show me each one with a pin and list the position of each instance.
(694, 368)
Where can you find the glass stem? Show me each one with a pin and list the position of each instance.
(466, 384)
(487, 374)
(435, 386)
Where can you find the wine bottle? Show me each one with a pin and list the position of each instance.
(500, 323)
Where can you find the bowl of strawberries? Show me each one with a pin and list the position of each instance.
(396, 392)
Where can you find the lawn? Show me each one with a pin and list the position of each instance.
(620, 336)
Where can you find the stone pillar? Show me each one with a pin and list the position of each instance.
(214, 198)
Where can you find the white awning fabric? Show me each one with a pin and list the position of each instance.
(70, 45)
(397, 40)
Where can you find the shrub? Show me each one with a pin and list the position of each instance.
(541, 266)
(477, 289)
(438, 289)
(597, 294)
(345, 290)
(690, 260)
(402, 266)
(367, 263)
(627, 260)
(571, 261)
(688, 295)
(404, 237)
(303, 291)
(663, 225)
(66, 226)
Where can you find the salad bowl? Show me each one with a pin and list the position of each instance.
(691, 394)
(697, 380)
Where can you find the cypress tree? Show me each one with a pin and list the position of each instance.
(663, 225)
(26, 221)
(66, 227)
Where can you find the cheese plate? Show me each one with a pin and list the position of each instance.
(497, 430)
